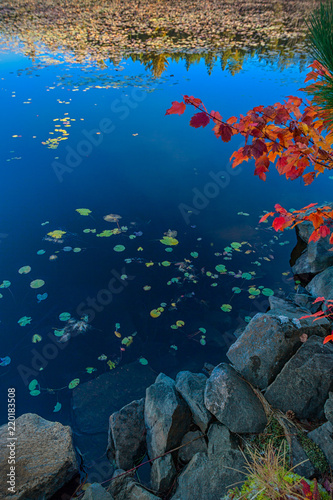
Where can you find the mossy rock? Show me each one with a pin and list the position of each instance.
(314, 453)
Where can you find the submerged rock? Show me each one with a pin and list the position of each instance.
(233, 402)
(270, 340)
(127, 435)
(167, 416)
(96, 492)
(45, 458)
(328, 408)
(305, 381)
(191, 386)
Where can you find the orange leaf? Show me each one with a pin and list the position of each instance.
(324, 231)
(264, 217)
(199, 120)
(279, 223)
(315, 236)
(328, 338)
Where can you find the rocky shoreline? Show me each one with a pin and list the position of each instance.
(193, 430)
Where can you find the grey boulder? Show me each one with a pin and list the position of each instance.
(163, 473)
(193, 442)
(167, 416)
(323, 437)
(220, 439)
(191, 386)
(127, 435)
(123, 487)
(328, 408)
(304, 383)
(233, 402)
(45, 457)
(269, 341)
(322, 284)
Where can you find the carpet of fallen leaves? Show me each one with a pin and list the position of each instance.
(99, 30)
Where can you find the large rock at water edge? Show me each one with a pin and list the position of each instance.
(269, 341)
(209, 478)
(191, 386)
(167, 416)
(304, 383)
(44, 454)
(317, 256)
(193, 442)
(322, 284)
(328, 408)
(220, 439)
(127, 435)
(163, 473)
(233, 402)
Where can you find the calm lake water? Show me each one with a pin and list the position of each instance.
(154, 171)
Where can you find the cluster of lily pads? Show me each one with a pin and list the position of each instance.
(181, 270)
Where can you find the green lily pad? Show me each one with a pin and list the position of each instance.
(254, 291)
(5, 284)
(267, 292)
(119, 248)
(235, 244)
(203, 330)
(25, 320)
(226, 307)
(202, 341)
(166, 263)
(59, 333)
(33, 384)
(143, 361)
(168, 249)
(65, 316)
(36, 338)
(236, 289)
(34, 393)
(40, 252)
(194, 255)
(24, 270)
(221, 268)
(37, 283)
(83, 211)
(247, 276)
(73, 383)
(57, 407)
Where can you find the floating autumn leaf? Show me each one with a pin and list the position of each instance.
(83, 211)
(24, 270)
(117, 334)
(57, 234)
(25, 320)
(226, 307)
(73, 383)
(37, 283)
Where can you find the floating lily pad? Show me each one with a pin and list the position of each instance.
(83, 211)
(36, 338)
(90, 369)
(57, 407)
(65, 316)
(220, 268)
(235, 244)
(155, 313)
(143, 361)
(33, 384)
(174, 327)
(254, 291)
(41, 297)
(35, 392)
(37, 283)
(247, 276)
(202, 341)
(236, 289)
(166, 263)
(73, 383)
(24, 270)
(180, 323)
(119, 248)
(5, 284)
(168, 240)
(59, 333)
(168, 249)
(57, 234)
(247, 319)
(226, 307)
(203, 330)
(267, 292)
(194, 255)
(25, 320)
(5, 361)
(40, 252)
(67, 249)
(77, 250)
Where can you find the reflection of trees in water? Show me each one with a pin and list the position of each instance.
(154, 31)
